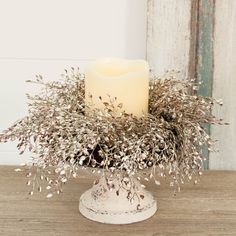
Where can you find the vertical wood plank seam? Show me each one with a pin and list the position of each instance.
(193, 49)
(213, 48)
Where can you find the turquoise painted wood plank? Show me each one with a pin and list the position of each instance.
(205, 59)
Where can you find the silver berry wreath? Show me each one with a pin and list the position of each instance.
(63, 137)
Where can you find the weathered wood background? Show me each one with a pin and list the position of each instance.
(224, 82)
(198, 37)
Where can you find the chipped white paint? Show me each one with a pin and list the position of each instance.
(112, 207)
(168, 36)
(224, 84)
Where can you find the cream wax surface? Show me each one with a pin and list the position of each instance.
(127, 80)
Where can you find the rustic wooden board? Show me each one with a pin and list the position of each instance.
(204, 56)
(208, 208)
(198, 37)
(224, 84)
(168, 35)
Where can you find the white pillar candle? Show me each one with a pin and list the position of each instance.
(127, 80)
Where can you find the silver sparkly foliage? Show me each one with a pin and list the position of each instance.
(64, 135)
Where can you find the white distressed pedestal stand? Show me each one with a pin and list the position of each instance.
(113, 207)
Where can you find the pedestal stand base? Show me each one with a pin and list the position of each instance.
(117, 205)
